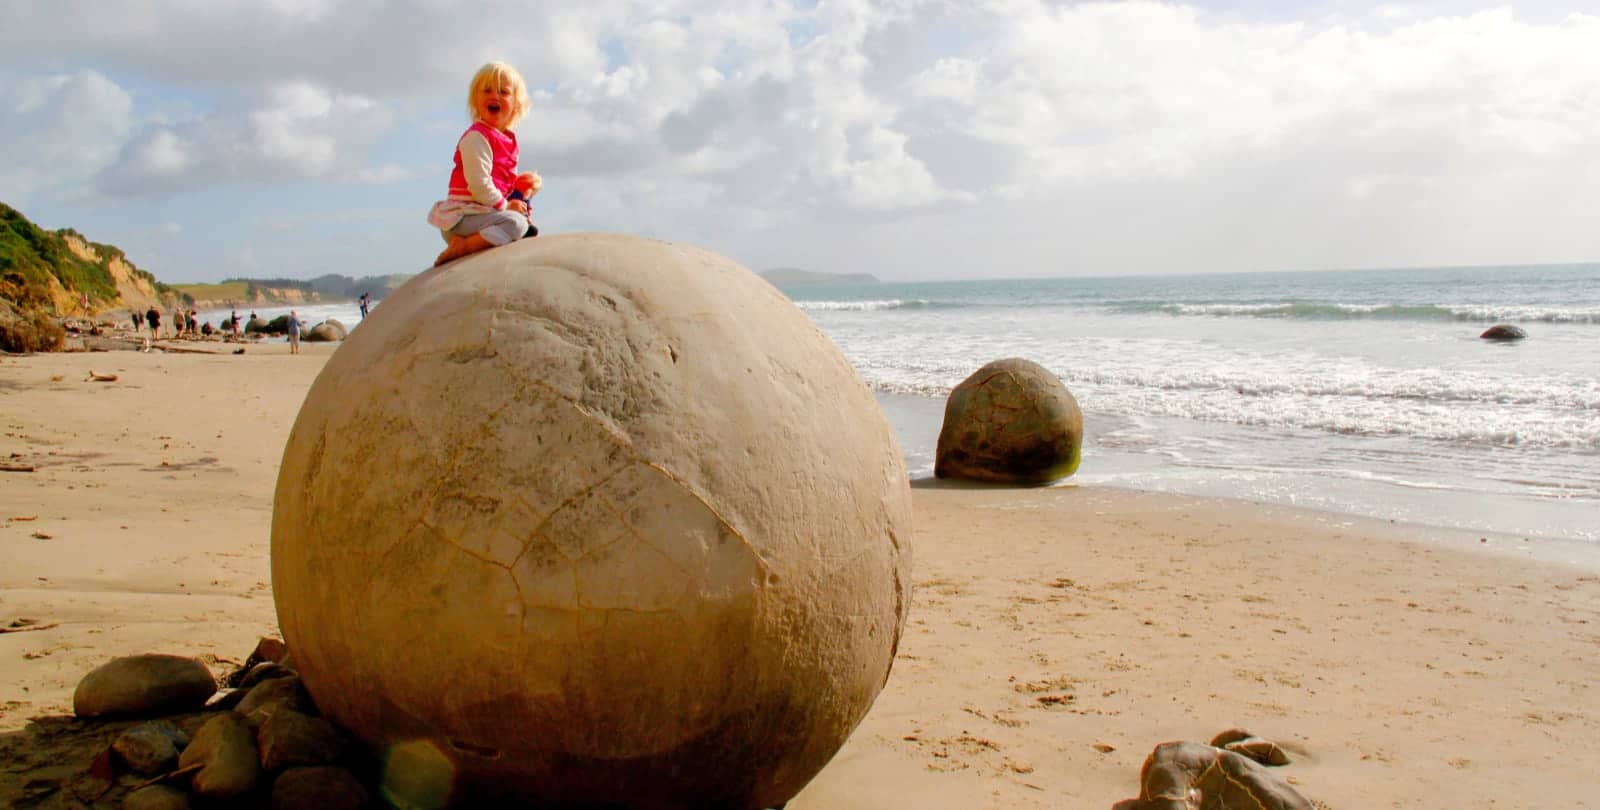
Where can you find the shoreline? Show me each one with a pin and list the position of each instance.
(1562, 530)
(1408, 665)
(1579, 555)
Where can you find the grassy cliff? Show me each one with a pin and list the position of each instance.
(46, 275)
(45, 263)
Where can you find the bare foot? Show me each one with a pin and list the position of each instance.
(462, 246)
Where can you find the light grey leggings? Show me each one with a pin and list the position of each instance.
(497, 227)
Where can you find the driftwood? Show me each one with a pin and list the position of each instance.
(23, 628)
(7, 467)
(100, 377)
(176, 350)
(170, 776)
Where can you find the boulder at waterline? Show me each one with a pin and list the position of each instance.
(1012, 421)
(327, 331)
(645, 542)
(1504, 331)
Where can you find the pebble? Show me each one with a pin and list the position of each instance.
(289, 738)
(268, 696)
(156, 797)
(226, 751)
(150, 748)
(327, 788)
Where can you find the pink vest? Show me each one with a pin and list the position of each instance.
(503, 145)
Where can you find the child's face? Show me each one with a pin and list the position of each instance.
(495, 102)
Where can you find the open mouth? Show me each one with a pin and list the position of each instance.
(494, 108)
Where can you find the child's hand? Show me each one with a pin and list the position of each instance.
(529, 183)
(517, 206)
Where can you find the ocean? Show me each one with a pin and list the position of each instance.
(1358, 392)
(1353, 392)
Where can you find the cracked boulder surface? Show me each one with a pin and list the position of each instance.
(1195, 776)
(1013, 422)
(593, 520)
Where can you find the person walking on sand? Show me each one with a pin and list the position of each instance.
(480, 212)
(293, 327)
(364, 306)
(153, 318)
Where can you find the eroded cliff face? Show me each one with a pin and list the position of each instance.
(260, 297)
(135, 291)
(63, 300)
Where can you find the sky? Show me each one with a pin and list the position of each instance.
(911, 139)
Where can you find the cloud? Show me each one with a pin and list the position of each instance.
(292, 131)
(60, 130)
(865, 130)
(387, 174)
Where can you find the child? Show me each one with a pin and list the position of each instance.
(480, 212)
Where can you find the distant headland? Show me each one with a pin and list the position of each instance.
(287, 291)
(794, 276)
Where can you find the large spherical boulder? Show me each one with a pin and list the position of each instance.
(592, 519)
(1012, 421)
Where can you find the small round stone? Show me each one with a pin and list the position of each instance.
(143, 685)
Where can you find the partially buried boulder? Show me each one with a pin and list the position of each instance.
(143, 685)
(1504, 331)
(327, 331)
(1012, 421)
(651, 549)
(1195, 776)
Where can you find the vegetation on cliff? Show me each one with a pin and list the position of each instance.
(32, 260)
(40, 272)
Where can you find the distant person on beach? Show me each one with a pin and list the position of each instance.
(153, 317)
(205, 329)
(178, 322)
(481, 210)
(363, 306)
(138, 320)
(233, 322)
(293, 325)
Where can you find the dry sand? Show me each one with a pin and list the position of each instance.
(1056, 635)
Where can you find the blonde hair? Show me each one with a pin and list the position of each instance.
(495, 74)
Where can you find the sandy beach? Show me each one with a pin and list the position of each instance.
(1056, 635)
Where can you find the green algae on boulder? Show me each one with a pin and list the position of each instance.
(1012, 421)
